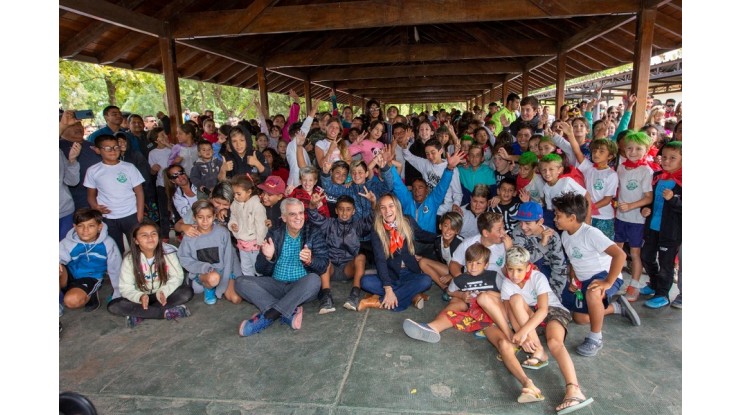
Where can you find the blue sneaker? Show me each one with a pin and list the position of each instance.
(446, 297)
(209, 296)
(254, 325)
(646, 290)
(295, 320)
(589, 347)
(657, 302)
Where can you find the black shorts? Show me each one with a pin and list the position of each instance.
(88, 285)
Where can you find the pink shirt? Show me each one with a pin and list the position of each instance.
(368, 149)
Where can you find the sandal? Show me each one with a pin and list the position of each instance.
(501, 359)
(530, 395)
(538, 363)
(573, 403)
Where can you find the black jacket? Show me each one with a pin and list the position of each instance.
(453, 246)
(309, 236)
(342, 238)
(389, 268)
(670, 221)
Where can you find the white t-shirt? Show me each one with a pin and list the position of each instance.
(536, 189)
(495, 262)
(564, 185)
(633, 184)
(585, 250)
(536, 284)
(160, 156)
(290, 154)
(324, 146)
(115, 185)
(600, 184)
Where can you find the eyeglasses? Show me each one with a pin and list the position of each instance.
(109, 148)
(174, 176)
(374, 109)
(670, 105)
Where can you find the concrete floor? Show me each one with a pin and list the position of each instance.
(350, 363)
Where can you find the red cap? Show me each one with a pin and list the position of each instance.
(274, 185)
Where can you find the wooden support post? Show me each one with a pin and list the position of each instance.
(307, 95)
(560, 83)
(525, 84)
(262, 85)
(172, 86)
(504, 91)
(641, 63)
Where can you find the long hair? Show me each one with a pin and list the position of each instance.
(404, 228)
(159, 266)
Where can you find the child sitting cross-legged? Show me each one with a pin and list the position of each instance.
(475, 301)
(530, 302)
(596, 271)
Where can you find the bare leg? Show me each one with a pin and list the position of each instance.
(596, 310)
(231, 294)
(437, 271)
(326, 276)
(356, 269)
(508, 354)
(521, 312)
(490, 302)
(75, 298)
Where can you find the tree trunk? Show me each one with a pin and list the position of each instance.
(111, 87)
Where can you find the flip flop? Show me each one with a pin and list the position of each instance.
(530, 395)
(581, 404)
(539, 365)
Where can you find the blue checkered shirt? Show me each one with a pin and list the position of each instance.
(289, 267)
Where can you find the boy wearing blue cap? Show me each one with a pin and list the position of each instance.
(543, 243)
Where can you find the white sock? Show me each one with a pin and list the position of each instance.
(617, 307)
(635, 283)
(594, 336)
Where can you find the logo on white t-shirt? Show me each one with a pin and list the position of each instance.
(576, 253)
(632, 184)
(122, 177)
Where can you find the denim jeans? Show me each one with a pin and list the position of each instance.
(405, 288)
(266, 292)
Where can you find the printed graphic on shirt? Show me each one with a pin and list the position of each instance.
(122, 177)
(599, 184)
(576, 253)
(432, 180)
(632, 184)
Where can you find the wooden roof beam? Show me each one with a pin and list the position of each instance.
(217, 68)
(430, 89)
(669, 24)
(411, 53)
(383, 72)
(92, 32)
(133, 40)
(421, 82)
(196, 67)
(116, 15)
(384, 13)
(229, 73)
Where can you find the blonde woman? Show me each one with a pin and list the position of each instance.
(400, 281)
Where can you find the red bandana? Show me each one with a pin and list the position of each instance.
(635, 164)
(396, 239)
(521, 182)
(664, 175)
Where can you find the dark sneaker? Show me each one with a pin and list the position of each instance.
(295, 320)
(254, 325)
(420, 331)
(178, 311)
(132, 321)
(353, 301)
(327, 304)
(628, 311)
(93, 303)
(589, 347)
(677, 302)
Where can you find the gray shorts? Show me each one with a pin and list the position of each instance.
(338, 272)
(560, 315)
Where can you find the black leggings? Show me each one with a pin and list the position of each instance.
(658, 261)
(123, 307)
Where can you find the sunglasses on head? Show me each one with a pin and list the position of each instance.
(174, 176)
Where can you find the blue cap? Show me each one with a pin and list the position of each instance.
(529, 212)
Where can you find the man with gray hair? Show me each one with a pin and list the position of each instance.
(290, 262)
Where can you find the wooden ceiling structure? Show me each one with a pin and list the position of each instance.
(401, 51)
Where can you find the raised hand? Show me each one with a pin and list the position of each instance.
(504, 121)
(630, 102)
(369, 195)
(326, 166)
(74, 152)
(567, 129)
(293, 95)
(454, 159)
(305, 255)
(289, 190)
(524, 195)
(316, 200)
(268, 249)
(361, 137)
(494, 201)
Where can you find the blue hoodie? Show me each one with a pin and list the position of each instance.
(91, 260)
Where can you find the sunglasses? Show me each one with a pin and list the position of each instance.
(174, 176)
(110, 148)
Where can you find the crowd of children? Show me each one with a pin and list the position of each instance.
(522, 226)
